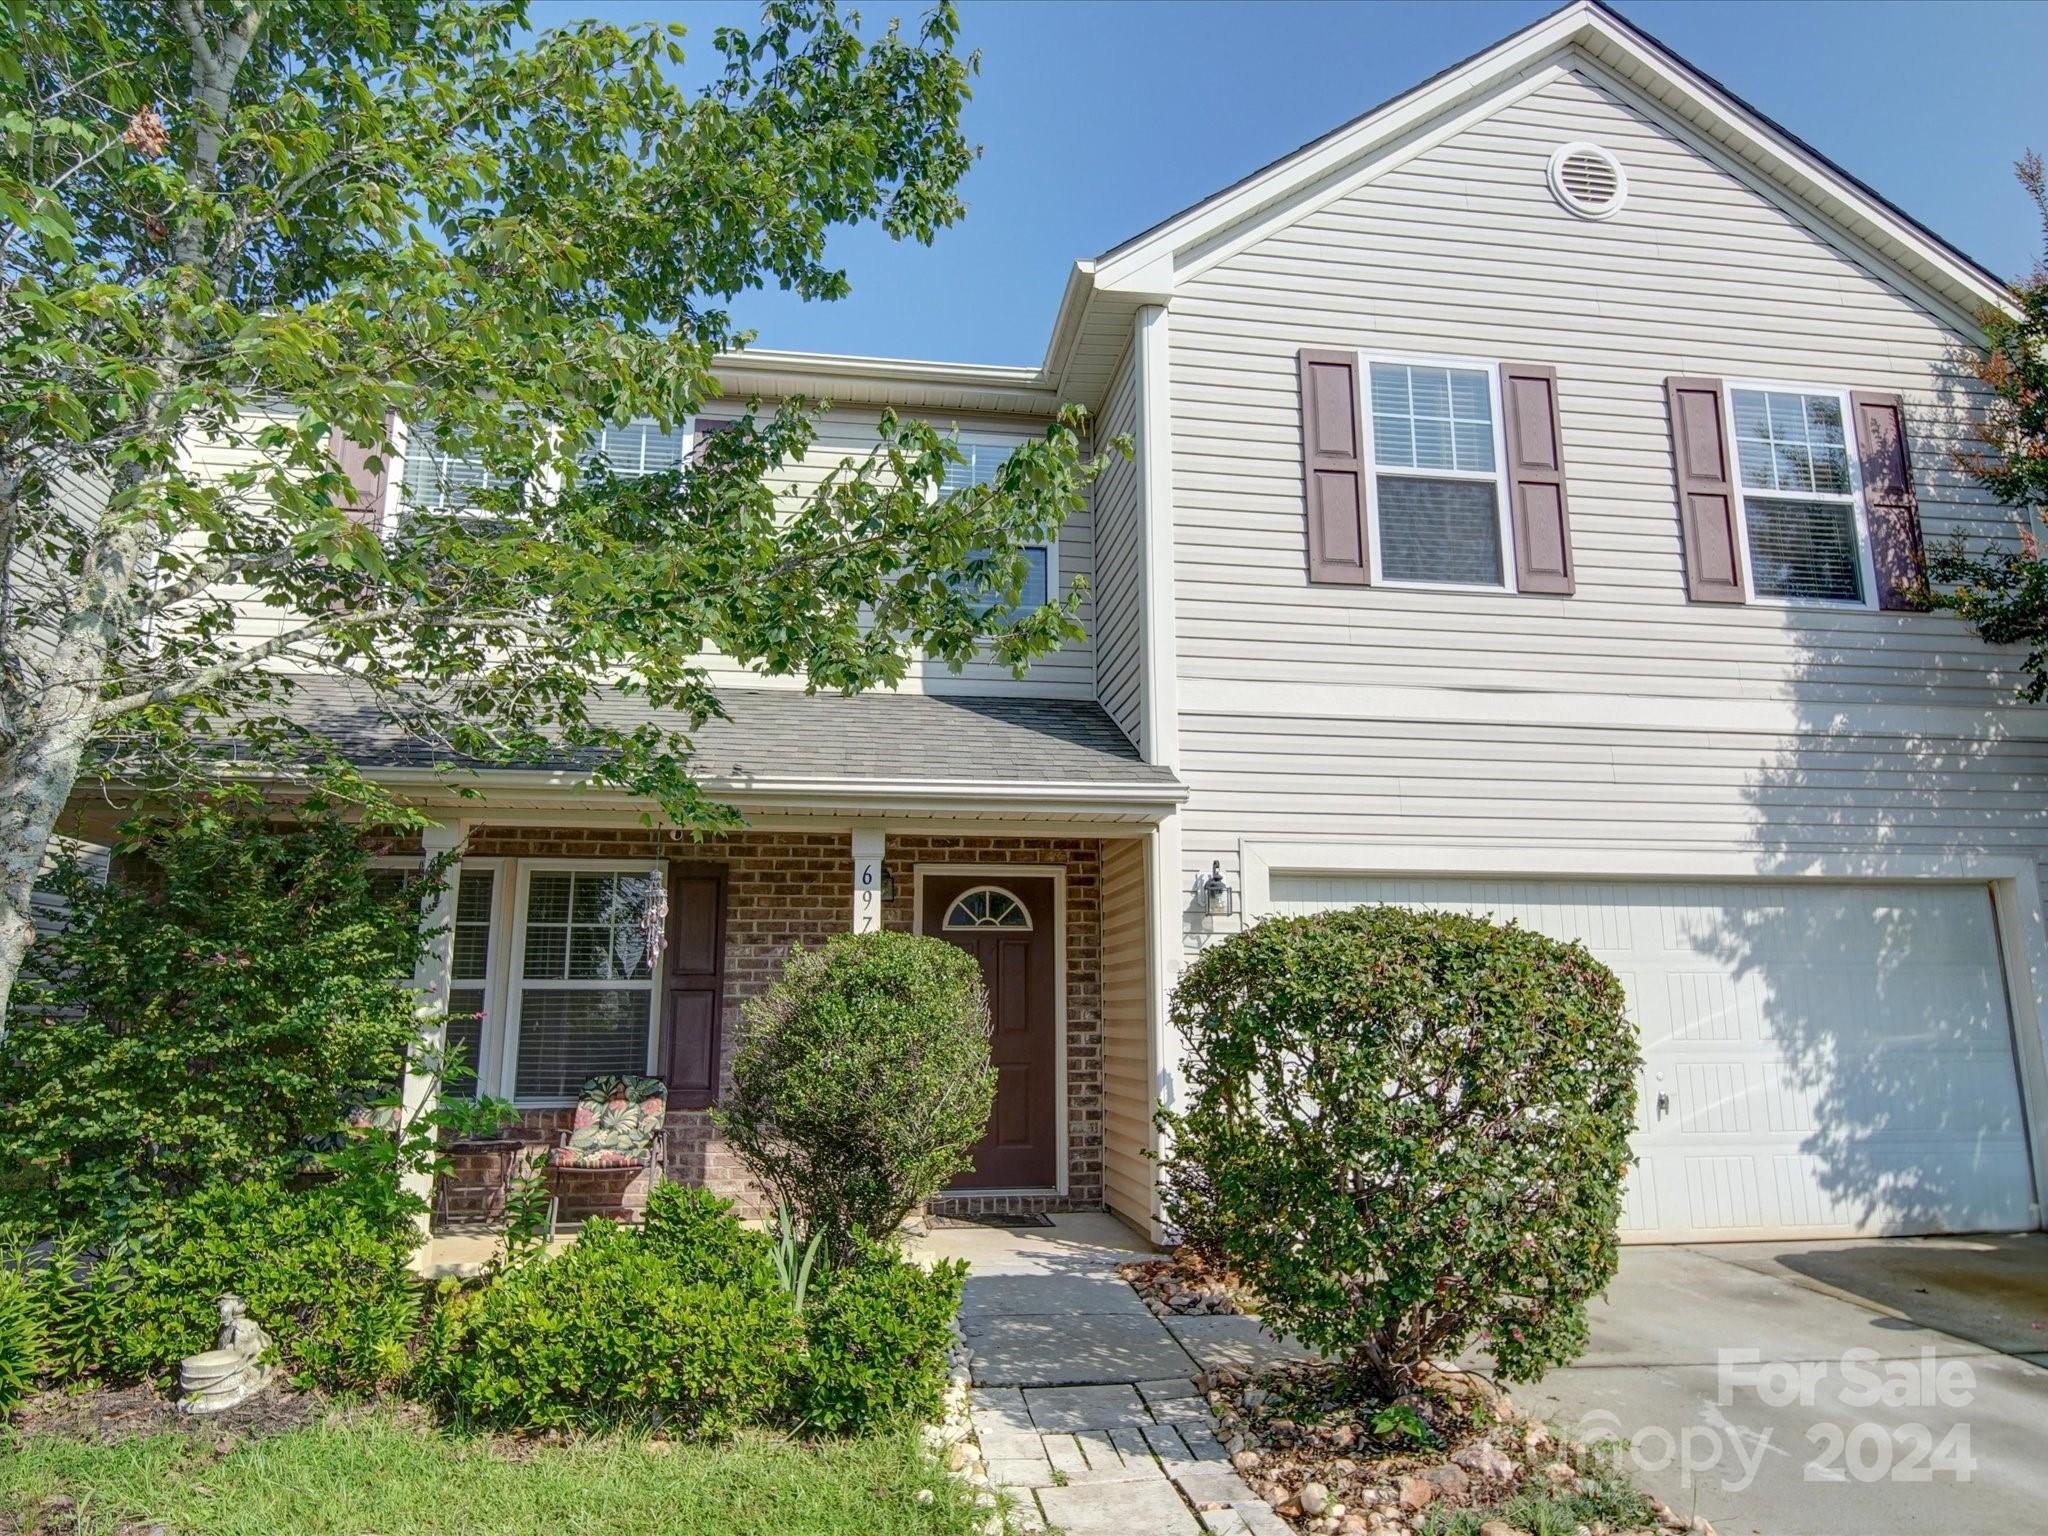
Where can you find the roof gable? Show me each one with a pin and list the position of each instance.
(1148, 266)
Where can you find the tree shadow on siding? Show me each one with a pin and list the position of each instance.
(1888, 1007)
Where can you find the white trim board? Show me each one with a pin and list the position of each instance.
(2014, 884)
(1766, 714)
(995, 874)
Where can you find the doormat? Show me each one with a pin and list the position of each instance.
(1014, 1223)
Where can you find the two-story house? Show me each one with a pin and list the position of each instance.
(1530, 482)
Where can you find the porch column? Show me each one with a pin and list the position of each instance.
(421, 1091)
(869, 845)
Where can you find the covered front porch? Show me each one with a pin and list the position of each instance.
(581, 942)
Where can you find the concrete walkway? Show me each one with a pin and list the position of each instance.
(1084, 1402)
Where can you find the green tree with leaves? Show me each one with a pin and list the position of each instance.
(281, 227)
(2004, 590)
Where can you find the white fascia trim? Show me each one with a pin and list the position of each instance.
(950, 793)
(1649, 70)
(852, 365)
(1772, 715)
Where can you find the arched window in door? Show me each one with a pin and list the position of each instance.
(987, 907)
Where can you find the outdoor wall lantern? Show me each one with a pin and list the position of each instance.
(888, 884)
(1214, 890)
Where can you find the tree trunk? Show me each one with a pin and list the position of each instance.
(38, 773)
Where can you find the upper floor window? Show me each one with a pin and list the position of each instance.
(1438, 510)
(437, 479)
(1803, 531)
(640, 448)
(982, 457)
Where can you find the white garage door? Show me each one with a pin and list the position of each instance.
(1819, 1060)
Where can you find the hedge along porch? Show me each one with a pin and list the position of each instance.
(550, 980)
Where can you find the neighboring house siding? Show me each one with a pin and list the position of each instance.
(1295, 720)
(1126, 1072)
(1120, 636)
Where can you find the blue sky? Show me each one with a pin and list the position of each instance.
(1098, 119)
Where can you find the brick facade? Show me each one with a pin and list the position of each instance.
(787, 888)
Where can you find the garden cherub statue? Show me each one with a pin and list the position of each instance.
(233, 1371)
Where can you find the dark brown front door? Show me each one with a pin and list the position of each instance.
(1006, 923)
(691, 1024)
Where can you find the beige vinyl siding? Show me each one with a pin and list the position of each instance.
(1461, 250)
(847, 434)
(1126, 1059)
(844, 436)
(215, 457)
(1120, 633)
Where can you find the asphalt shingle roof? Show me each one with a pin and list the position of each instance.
(783, 734)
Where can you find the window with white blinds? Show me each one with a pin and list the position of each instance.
(1438, 509)
(435, 479)
(1802, 525)
(469, 975)
(980, 459)
(639, 448)
(584, 1000)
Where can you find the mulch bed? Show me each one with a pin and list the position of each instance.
(1334, 1463)
(111, 1414)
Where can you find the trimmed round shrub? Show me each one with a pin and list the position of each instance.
(877, 1344)
(609, 1333)
(1407, 1130)
(862, 1081)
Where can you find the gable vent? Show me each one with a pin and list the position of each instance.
(1588, 180)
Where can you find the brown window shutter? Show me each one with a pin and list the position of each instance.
(703, 429)
(693, 1025)
(1536, 495)
(1707, 506)
(1333, 468)
(1895, 547)
(368, 483)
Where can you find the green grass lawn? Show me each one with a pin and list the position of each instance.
(378, 1475)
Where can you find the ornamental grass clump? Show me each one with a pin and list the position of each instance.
(1407, 1130)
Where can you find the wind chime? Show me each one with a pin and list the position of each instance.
(654, 916)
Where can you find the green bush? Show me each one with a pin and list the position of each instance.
(609, 1333)
(696, 1231)
(862, 1080)
(877, 1344)
(202, 1015)
(332, 1285)
(21, 1345)
(1409, 1129)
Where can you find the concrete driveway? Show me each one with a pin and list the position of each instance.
(1825, 1388)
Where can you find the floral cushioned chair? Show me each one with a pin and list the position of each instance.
(621, 1122)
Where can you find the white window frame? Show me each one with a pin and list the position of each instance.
(413, 866)
(1859, 511)
(1373, 470)
(688, 428)
(488, 1066)
(947, 925)
(1050, 546)
(516, 980)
